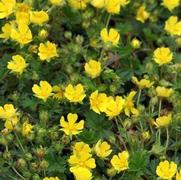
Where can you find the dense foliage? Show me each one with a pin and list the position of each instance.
(90, 89)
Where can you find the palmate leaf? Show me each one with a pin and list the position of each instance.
(138, 162)
(99, 124)
(56, 163)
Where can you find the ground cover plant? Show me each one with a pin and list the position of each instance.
(90, 89)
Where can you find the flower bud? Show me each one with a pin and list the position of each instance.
(20, 163)
(79, 39)
(28, 156)
(40, 152)
(68, 34)
(44, 116)
(43, 165)
(43, 34)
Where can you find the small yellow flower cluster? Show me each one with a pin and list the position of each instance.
(81, 161)
(111, 106)
(111, 6)
(10, 115)
(167, 170)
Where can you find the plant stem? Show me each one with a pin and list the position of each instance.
(19, 175)
(139, 96)
(159, 108)
(167, 141)
(19, 142)
(108, 20)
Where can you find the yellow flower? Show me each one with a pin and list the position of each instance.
(173, 26)
(112, 36)
(10, 115)
(8, 111)
(166, 170)
(82, 174)
(6, 8)
(83, 160)
(142, 15)
(44, 91)
(135, 43)
(178, 175)
(75, 94)
(98, 102)
(115, 106)
(6, 31)
(51, 178)
(129, 105)
(171, 4)
(163, 56)
(80, 4)
(11, 123)
(163, 121)
(99, 3)
(57, 2)
(164, 92)
(102, 149)
(22, 34)
(58, 92)
(39, 17)
(143, 83)
(120, 161)
(47, 51)
(26, 129)
(17, 65)
(81, 147)
(93, 68)
(22, 13)
(71, 127)
(114, 6)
